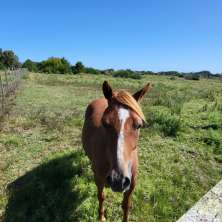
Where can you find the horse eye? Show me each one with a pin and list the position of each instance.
(137, 125)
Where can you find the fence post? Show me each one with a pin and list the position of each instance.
(8, 86)
(6, 80)
(2, 93)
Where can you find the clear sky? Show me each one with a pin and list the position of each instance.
(157, 35)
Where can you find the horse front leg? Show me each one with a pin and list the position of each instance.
(101, 198)
(126, 204)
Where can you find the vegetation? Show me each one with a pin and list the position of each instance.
(192, 76)
(45, 176)
(55, 65)
(30, 65)
(9, 82)
(78, 68)
(8, 59)
(126, 74)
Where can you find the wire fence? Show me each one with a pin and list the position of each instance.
(9, 81)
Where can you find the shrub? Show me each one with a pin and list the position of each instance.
(165, 122)
(92, 71)
(170, 73)
(55, 65)
(8, 59)
(78, 68)
(107, 71)
(2, 66)
(192, 76)
(213, 139)
(30, 65)
(127, 74)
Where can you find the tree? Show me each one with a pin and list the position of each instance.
(30, 65)
(55, 65)
(78, 68)
(192, 76)
(8, 59)
(107, 71)
(91, 70)
(1, 60)
(65, 66)
(205, 74)
(127, 73)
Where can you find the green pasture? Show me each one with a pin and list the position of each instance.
(45, 176)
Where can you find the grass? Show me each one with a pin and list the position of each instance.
(45, 176)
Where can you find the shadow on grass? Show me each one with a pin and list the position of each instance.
(47, 193)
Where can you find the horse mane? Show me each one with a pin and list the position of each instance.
(126, 99)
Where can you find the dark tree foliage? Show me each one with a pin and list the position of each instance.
(8, 60)
(1, 60)
(107, 71)
(30, 65)
(171, 73)
(147, 73)
(91, 70)
(192, 76)
(78, 68)
(127, 74)
(204, 74)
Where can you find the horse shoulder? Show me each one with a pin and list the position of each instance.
(92, 133)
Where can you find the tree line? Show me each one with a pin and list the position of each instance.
(9, 60)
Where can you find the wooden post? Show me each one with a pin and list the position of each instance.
(2, 94)
(6, 80)
(8, 87)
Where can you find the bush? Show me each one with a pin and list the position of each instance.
(92, 71)
(165, 122)
(213, 139)
(170, 73)
(30, 65)
(192, 76)
(107, 71)
(55, 65)
(78, 68)
(2, 66)
(127, 74)
(8, 60)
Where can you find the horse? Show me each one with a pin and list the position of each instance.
(109, 136)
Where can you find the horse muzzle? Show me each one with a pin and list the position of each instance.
(118, 182)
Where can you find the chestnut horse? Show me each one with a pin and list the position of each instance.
(109, 136)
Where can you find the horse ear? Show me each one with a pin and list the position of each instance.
(140, 94)
(107, 90)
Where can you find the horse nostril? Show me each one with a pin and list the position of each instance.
(126, 182)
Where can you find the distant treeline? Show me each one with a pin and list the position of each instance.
(62, 66)
(8, 60)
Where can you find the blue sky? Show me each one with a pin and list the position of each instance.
(157, 35)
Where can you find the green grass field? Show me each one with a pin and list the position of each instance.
(45, 176)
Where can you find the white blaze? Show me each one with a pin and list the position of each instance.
(123, 116)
